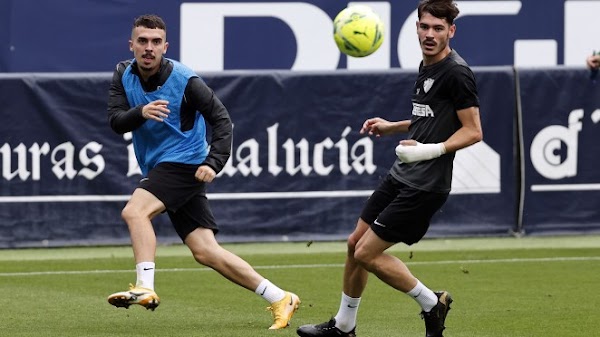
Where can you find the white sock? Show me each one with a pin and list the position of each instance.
(424, 296)
(269, 291)
(145, 275)
(345, 320)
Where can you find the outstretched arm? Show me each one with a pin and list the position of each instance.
(380, 127)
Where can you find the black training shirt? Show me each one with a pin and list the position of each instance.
(440, 90)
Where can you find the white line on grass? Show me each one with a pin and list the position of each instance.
(303, 266)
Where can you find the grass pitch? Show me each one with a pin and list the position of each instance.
(501, 287)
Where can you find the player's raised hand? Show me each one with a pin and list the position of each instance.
(156, 110)
(376, 126)
(205, 174)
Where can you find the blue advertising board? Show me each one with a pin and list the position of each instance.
(299, 167)
(561, 128)
(217, 35)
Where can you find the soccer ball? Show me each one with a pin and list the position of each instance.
(358, 31)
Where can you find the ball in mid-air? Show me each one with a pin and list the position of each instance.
(358, 31)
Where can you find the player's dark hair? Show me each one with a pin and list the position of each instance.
(443, 9)
(150, 21)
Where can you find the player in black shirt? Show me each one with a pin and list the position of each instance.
(445, 118)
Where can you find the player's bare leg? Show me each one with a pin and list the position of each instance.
(355, 281)
(138, 212)
(391, 270)
(207, 251)
(366, 254)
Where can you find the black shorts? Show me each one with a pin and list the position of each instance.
(183, 196)
(397, 212)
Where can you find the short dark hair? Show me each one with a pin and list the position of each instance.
(443, 9)
(150, 21)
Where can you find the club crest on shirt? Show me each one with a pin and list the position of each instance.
(427, 84)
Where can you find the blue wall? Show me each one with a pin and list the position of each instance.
(92, 35)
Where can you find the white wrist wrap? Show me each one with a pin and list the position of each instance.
(419, 152)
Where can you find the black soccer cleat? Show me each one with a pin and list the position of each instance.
(434, 320)
(326, 329)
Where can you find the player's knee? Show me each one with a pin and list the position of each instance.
(204, 257)
(353, 240)
(351, 243)
(130, 213)
(201, 258)
(363, 257)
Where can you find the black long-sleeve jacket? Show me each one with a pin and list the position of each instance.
(198, 97)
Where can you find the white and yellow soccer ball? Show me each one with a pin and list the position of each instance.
(358, 31)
